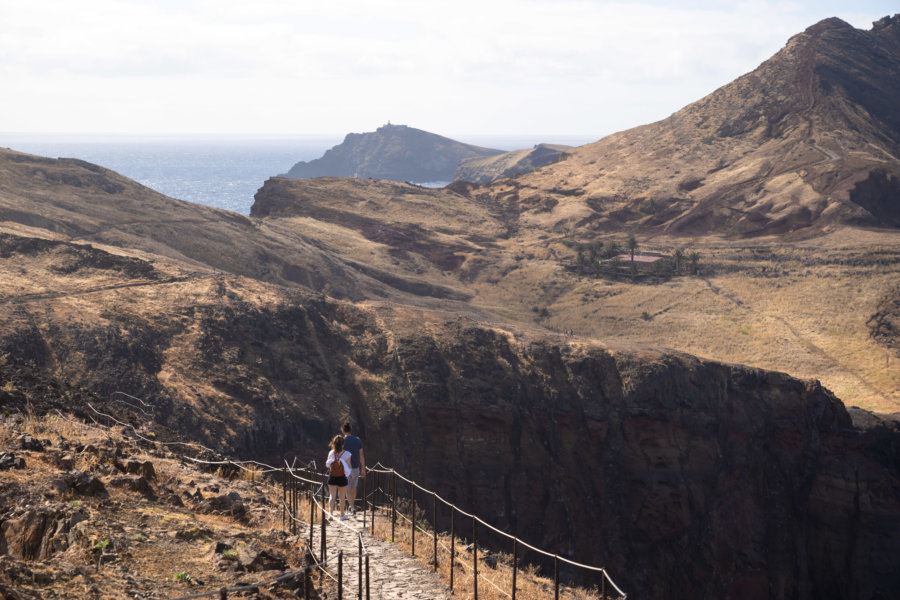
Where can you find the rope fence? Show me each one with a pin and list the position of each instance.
(305, 482)
(606, 582)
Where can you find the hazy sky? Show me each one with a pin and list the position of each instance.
(288, 67)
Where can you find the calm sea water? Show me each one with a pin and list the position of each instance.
(219, 172)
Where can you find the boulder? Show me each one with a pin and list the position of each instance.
(228, 504)
(37, 534)
(8, 460)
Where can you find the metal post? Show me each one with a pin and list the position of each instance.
(452, 542)
(393, 502)
(434, 526)
(475, 556)
(223, 594)
(283, 499)
(515, 566)
(340, 575)
(556, 576)
(359, 565)
(367, 577)
(306, 576)
(603, 586)
(365, 499)
(412, 500)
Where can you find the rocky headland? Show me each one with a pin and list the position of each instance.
(394, 152)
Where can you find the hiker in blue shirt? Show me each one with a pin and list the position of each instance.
(354, 446)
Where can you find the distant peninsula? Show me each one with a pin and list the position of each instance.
(393, 152)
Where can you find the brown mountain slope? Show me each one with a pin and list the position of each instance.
(484, 169)
(808, 140)
(85, 202)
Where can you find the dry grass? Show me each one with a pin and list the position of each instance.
(801, 309)
(495, 570)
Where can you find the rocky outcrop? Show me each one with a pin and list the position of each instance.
(38, 533)
(394, 152)
(884, 325)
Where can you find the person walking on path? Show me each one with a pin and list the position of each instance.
(338, 465)
(354, 446)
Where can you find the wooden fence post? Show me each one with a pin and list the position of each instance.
(434, 526)
(556, 577)
(452, 542)
(393, 502)
(475, 556)
(515, 566)
(340, 575)
(312, 513)
(322, 535)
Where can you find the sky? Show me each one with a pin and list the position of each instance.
(297, 67)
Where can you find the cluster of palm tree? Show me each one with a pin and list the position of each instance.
(682, 259)
(590, 254)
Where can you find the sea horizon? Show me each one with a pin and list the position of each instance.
(224, 171)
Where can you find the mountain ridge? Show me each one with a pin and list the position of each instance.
(807, 140)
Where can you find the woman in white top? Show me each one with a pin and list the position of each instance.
(338, 464)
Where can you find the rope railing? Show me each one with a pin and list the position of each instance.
(605, 578)
(290, 473)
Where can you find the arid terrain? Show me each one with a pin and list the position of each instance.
(736, 402)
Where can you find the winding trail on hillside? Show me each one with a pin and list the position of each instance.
(28, 298)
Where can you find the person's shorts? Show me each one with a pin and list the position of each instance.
(354, 478)
(338, 481)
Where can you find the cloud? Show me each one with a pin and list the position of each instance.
(498, 66)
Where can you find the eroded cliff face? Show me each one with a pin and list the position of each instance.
(683, 477)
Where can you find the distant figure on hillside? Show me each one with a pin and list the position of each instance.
(338, 465)
(354, 446)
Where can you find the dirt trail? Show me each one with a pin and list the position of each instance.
(27, 298)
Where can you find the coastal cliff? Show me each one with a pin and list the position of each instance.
(394, 152)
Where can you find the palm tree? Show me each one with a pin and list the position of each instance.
(694, 257)
(632, 246)
(679, 258)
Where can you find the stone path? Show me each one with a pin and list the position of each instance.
(393, 573)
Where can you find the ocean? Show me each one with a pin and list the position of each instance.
(220, 172)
